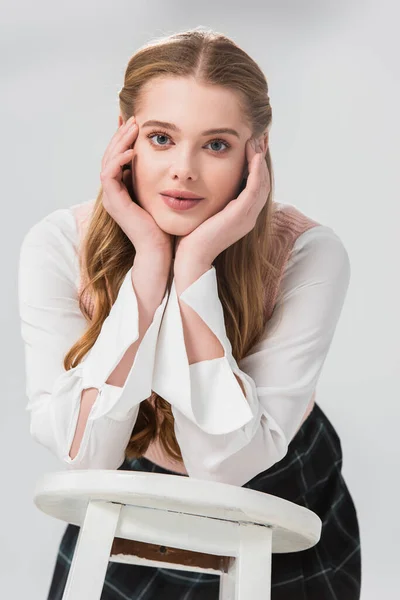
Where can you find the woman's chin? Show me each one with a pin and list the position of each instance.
(178, 229)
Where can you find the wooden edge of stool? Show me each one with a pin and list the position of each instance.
(170, 555)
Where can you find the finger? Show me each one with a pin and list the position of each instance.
(117, 143)
(265, 171)
(255, 171)
(265, 186)
(126, 142)
(250, 150)
(127, 181)
(260, 173)
(118, 134)
(121, 131)
(113, 169)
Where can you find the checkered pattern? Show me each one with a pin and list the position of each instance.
(309, 475)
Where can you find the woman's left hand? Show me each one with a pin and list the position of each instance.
(232, 223)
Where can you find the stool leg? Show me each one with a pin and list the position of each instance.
(92, 552)
(249, 575)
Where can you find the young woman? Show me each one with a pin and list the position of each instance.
(188, 336)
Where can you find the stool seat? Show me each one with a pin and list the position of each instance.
(174, 522)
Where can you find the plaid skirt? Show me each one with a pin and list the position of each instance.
(309, 475)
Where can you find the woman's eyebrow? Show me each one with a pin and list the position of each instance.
(166, 125)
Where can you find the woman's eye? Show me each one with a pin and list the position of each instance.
(164, 135)
(158, 135)
(219, 142)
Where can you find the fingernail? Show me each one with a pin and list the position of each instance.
(130, 120)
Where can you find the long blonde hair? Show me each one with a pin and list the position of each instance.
(243, 269)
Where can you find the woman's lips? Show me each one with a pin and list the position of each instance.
(179, 204)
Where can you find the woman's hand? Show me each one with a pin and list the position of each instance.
(137, 223)
(232, 223)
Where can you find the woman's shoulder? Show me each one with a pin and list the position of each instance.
(311, 249)
(58, 227)
(309, 230)
(53, 243)
(316, 248)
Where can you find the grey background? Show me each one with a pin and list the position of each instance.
(334, 89)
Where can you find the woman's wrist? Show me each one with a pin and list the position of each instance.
(153, 269)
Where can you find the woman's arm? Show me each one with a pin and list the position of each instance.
(224, 434)
(149, 279)
(51, 322)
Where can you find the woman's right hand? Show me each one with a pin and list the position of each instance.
(137, 223)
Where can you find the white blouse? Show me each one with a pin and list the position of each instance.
(223, 435)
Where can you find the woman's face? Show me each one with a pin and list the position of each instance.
(180, 155)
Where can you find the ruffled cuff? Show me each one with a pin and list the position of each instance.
(119, 331)
(206, 392)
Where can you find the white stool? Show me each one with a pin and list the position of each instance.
(173, 522)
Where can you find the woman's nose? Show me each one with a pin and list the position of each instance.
(184, 169)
